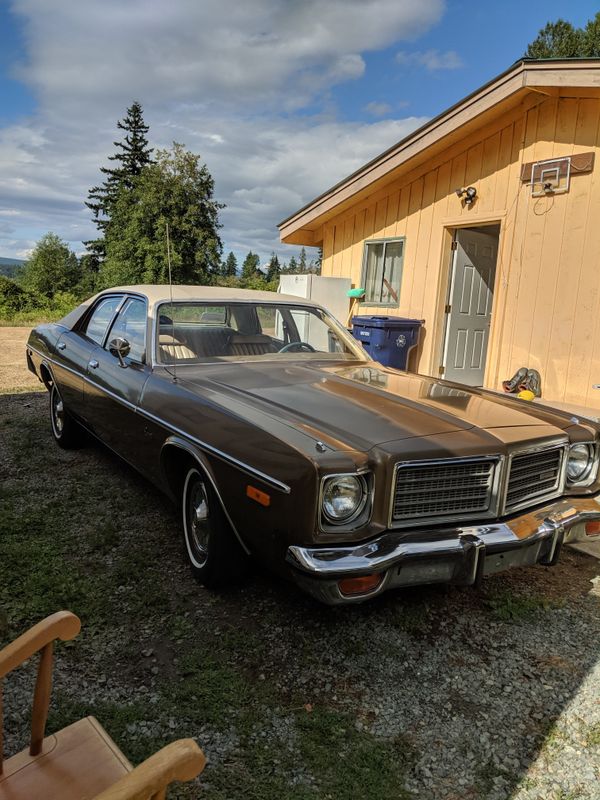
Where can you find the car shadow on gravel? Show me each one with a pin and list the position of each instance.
(436, 692)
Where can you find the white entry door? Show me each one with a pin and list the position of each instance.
(470, 308)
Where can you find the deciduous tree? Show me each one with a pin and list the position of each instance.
(176, 190)
(52, 267)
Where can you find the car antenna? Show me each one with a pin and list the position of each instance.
(171, 296)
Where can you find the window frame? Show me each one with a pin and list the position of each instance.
(82, 325)
(384, 241)
(126, 299)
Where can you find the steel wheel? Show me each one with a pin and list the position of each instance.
(57, 410)
(215, 554)
(66, 431)
(196, 519)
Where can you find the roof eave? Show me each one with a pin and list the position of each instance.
(525, 74)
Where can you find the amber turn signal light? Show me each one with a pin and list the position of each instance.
(360, 585)
(592, 528)
(260, 497)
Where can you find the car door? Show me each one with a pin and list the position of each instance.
(74, 349)
(113, 386)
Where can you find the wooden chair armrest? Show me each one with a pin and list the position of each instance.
(179, 761)
(63, 625)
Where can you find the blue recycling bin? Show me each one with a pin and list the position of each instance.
(388, 340)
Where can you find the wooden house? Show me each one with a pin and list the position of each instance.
(485, 223)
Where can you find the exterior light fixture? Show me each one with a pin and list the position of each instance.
(467, 194)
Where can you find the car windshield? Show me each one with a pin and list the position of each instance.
(192, 332)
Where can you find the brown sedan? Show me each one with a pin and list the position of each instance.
(281, 439)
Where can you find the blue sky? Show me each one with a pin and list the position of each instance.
(282, 99)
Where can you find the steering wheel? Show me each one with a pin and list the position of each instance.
(301, 347)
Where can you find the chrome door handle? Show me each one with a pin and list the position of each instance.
(61, 345)
(93, 364)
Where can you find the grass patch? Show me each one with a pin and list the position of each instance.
(592, 738)
(508, 607)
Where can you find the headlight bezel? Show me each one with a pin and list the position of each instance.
(588, 476)
(361, 513)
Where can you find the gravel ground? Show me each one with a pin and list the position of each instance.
(445, 692)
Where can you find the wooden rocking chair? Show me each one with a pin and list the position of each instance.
(80, 762)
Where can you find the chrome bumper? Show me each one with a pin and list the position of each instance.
(449, 555)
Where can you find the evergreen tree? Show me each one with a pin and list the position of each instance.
(132, 155)
(229, 266)
(302, 265)
(176, 190)
(293, 266)
(52, 268)
(250, 266)
(557, 40)
(274, 269)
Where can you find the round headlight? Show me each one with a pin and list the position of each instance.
(344, 497)
(579, 462)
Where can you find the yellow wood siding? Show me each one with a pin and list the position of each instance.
(546, 312)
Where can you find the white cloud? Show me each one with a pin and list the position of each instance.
(378, 109)
(433, 60)
(223, 77)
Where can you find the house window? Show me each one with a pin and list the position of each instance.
(382, 271)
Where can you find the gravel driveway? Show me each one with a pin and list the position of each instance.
(430, 693)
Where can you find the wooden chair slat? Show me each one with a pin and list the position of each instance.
(41, 700)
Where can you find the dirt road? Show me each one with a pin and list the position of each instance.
(14, 375)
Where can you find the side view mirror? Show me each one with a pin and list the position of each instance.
(119, 348)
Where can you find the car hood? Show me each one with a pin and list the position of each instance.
(361, 406)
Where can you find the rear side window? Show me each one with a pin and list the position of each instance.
(130, 324)
(101, 317)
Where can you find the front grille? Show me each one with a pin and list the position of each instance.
(447, 489)
(533, 476)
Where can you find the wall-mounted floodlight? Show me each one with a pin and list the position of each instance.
(467, 194)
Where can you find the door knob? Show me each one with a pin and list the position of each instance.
(61, 345)
(93, 364)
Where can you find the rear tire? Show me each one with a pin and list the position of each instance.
(67, 433)
(215, 555)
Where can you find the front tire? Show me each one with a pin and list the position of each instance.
(67, 433)
(216, 557)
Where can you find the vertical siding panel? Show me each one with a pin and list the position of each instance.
(327, 265)
(508, 264)
(410, 254)
(391, 218)
(571, 359)
(337, 248)
(472, 174)
(357, 249)
(348, 230)
(436, 274)
(537, 120)
(503, 167)
(457, 181)
(380, 213)
(487, 178)
(552, 210)
(524, 140)
(421, 258)
(402, 211)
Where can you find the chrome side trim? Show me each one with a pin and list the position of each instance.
(247, 468)
(276, 484)
(47, 360)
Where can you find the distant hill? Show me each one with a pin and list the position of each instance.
(10, 266)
